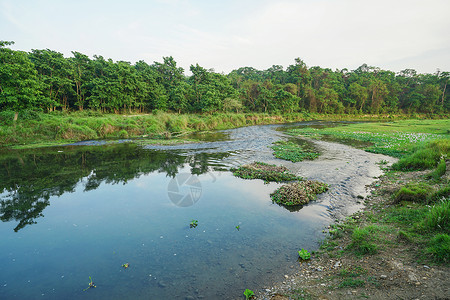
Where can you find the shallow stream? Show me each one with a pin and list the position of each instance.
(80, 211)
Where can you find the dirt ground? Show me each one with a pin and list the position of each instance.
(392, 273)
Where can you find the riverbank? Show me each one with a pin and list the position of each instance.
(39, 130)
(397, 245)
(399, 268)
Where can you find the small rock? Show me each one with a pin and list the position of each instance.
(267, 290)
(286, 276)
(426, 267)
(383, 276)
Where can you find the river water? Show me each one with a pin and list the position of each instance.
(80, 211)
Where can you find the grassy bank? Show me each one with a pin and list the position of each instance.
(39, 129)
(395, 138)
(399, 244)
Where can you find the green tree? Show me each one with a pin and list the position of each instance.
(19, 85)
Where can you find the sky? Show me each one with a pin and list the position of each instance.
(228, 34)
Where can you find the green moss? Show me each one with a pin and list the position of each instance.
(266, 172)
(292, 151)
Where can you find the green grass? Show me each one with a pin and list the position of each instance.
(439, 248)
(363, 240)
(266, 172)
(44, 128)
(396, 138)
(292, 151)
(438, 217)
(413, 192)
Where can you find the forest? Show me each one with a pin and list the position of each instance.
(45, 80)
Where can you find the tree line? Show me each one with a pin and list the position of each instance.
(45, 80)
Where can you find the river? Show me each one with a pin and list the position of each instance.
(84, 210)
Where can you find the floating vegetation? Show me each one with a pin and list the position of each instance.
(91, 284)
(292, 151)
(125, 266)
(298, 193)
(304, 254)
(266, 172)
(238, 227)
(193, 224)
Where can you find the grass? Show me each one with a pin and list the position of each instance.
(438, 217)
(439, 248)
(298, 193)
(292, 151)
(397, 138)
(413, 192)
(34, 128)
(266, 172)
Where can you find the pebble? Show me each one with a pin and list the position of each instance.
(286, 276)
(383, 276)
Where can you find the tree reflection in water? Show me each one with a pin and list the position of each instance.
(28, 178)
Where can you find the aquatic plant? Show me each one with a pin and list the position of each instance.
(248, 294)
(238, 227)
(193, 224)
(91, 284)
(126, 265)
(298, 193)
(266, 172)
(292, 151)
(304, 254)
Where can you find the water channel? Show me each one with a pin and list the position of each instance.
(79, 211)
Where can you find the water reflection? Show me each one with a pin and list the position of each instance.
(29, 178)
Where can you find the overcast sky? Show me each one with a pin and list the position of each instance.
(228, 34)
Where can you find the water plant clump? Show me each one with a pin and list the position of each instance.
(298, 193)
(292, 151)
(304, 254)
(266, 172)
(193, 224)
(248, 294)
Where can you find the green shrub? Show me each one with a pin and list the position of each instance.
(439, 248)
(413, 192)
